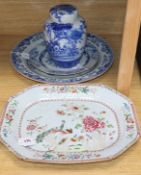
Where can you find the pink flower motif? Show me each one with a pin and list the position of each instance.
(90, 124)
(60, 112)
(9, 117)
(102, 125)
(30, 127)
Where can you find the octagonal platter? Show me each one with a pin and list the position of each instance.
(69, 124)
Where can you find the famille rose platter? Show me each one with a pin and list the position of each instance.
(69, 124)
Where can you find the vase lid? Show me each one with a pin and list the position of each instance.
(64, 13)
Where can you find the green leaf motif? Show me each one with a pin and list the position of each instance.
(41, 136)
(127, 116)
(110, 126)
(77, 126)
(84, 89)
(62, 125)
(101, 118)
(14, 103)
(47, 156)
(130, 135)
(79, 144)
(86, 108)
(62, 141)
(80, 115)
(8, 122)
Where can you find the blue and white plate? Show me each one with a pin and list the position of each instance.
(44, 63)
(30, 58)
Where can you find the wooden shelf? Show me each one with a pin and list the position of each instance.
(19, 19)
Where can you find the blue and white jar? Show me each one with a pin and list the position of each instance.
(65, 34)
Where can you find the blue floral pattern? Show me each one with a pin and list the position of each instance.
(44, 63)
(37, 40)
(60, 10)
(63, 41)
(65, 34)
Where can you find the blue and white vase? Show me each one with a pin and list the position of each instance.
(65, 34)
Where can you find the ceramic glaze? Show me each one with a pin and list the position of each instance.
(65, 35)
(31, 59)
(69, 124)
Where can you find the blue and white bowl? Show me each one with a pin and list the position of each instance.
(65, 35)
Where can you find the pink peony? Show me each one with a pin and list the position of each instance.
(9, 117)
(90, 124)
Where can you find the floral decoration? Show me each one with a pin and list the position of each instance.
(91, 124)
(11, 112)
(86, 123)
(33, 126)
(71, 89)
(130, 123)
(61, 133)
(9, 117)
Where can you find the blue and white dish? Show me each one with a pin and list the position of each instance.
(65, 35)
(31, 48)
(44, 63)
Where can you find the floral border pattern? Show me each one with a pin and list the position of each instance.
(69, 89)
(9, 117)
(130, 123)
(96, 156)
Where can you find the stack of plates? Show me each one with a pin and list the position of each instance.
(31, 59)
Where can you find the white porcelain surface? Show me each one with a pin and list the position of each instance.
(69, 124)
